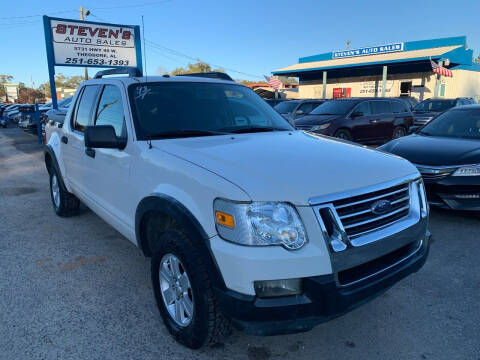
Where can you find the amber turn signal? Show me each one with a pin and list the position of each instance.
(225, 219)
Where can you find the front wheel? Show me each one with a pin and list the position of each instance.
(343, 134)
(184, 293)
(399, 132)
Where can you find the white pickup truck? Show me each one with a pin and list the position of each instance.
(247, 221)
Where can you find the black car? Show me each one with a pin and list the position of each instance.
(364, 120)
(428, 109)
(294, 109)
(446, 151)
(410, 101)
(273, 102)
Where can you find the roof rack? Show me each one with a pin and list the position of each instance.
(125, 70)
(210, 75)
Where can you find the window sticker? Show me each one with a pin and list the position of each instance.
(142, 91)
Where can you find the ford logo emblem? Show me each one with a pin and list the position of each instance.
(381, 207)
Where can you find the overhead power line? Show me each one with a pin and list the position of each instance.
(94, 8)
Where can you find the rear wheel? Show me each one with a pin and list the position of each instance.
(343, 134)
(399, 131)
(183, 291)
(64, 203)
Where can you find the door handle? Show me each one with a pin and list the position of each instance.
(65, 139)
(90, 152)
(374, 121)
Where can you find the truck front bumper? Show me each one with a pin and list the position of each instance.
(323, 297)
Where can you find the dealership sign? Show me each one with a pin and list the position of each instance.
(90, 44)
(373, 50)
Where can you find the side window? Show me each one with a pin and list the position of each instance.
(85, 108)
(110, 110)
(381, 107)
(364, 108)
(398, 107)
(306, 108)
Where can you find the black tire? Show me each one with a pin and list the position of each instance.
(343, 134)
(399, 132)
(64, 203)
(207, 325)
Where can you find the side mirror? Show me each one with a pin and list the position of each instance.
(103, 136)
(413, 129)
(356, 114)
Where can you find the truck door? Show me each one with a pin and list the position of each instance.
(72, 141)
(108, 170)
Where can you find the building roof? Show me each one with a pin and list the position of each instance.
(413, 52)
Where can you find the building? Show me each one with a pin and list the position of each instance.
(400, 69)
(288, 91)
(11, 92)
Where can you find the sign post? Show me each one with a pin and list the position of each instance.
(89, 44)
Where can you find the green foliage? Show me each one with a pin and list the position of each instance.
(4, 78)
(198, 67)
(62, 81)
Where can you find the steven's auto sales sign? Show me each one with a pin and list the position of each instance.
(92, 44)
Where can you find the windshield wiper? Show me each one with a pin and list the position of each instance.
(183, 133)
(250, 129)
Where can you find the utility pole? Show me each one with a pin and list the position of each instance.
(83, 14)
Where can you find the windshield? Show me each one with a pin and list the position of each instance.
(455, 123)
(334, 107)
(435, 105)
(193, 108)
(286, 107)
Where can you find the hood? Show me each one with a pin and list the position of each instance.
(436, 151)
(313, 119)
(288, 166)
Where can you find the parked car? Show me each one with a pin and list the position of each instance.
(10, 113)
(223, 194)
(26, 119)
(295, 109)
(428, 109)
(446, 151)
(273, 102)
(364, 120)
(54, 117)
(410, 101)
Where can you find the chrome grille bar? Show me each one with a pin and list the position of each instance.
(372, 198)
(346, 227)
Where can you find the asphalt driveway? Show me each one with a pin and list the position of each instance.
(76, 289)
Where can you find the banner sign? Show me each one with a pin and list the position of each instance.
(92, 44)
(374, 50)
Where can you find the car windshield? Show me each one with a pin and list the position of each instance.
(455, 123)
(286, 107)
(334, 107)
(200, 109)
(435, 105)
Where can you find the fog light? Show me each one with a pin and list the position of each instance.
(274, 288)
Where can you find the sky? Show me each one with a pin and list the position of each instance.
(251, 37)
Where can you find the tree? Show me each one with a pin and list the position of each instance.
(477, 60)
(288, 80)
(198, 67)
(61, 81)
(4, 78)
(30, 96)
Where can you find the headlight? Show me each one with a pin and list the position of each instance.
(320, 127)
(471, 170)
(260, 223)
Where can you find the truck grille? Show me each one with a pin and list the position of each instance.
(358, 215)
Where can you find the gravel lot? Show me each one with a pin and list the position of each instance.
(76, 289)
